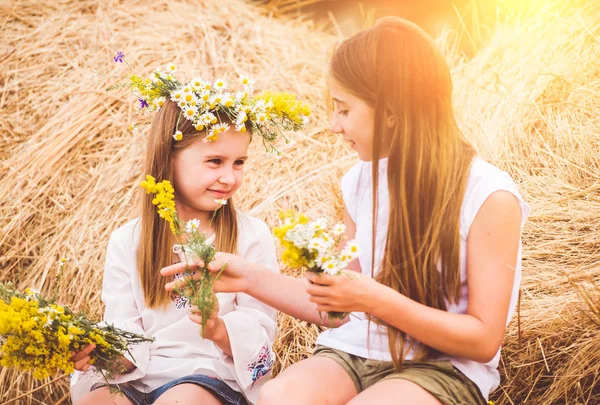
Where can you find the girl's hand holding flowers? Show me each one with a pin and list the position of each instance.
(214, 327)
(81, 360)
(234, 270)
(352, 292)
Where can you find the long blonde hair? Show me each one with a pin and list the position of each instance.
(396, 68)
(154, 250)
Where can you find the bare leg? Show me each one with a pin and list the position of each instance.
(187, 394)
(316, 381)
(397, 392)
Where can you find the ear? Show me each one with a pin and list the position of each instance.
(389, 118)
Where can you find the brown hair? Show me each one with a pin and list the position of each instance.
(154, 250)
(396, 68)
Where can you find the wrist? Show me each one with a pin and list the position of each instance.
(219, 335)
(253, 279)
(377, 298)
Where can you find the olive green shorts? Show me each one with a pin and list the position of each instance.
(438, 377)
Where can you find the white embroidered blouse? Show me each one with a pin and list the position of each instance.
(179, 350)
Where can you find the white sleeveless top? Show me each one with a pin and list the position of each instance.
(484, 179)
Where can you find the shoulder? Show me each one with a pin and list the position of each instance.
(352, 175)
(127, 234)
(253, 234)
(255, 241)
(250, 226)
(483, 186)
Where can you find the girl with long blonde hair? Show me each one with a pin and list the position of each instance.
(232, 357)
(440, 232)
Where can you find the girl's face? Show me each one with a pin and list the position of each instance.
(206, 171)
(354, 119)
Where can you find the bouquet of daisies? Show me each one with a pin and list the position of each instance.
(39, 335)
(311, 245)
(192, 247)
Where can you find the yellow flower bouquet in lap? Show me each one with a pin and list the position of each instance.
(311, 245)
(39, 335)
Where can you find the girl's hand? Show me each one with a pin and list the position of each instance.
(235, 276)
(348, 292)
(214, 328)
(82, 359)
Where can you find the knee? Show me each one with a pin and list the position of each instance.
(277, 391)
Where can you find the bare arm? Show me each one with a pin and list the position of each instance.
(284, 293)
(492, 249)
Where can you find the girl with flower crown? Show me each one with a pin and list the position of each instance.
(201, 147)
(439, 228)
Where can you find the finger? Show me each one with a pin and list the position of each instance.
(181, 267)
(318, 290)
(86, 367)
(173, 284)
(217, 263)
(79, 364)
(320, 300)
(173, 269)
(319, 278)
(327, 308)
(196, 319)
(83, 353)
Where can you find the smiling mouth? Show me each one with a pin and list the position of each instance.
(218, 193)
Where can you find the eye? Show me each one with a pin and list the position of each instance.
(215, 161)
(239, 162)
(343, 112)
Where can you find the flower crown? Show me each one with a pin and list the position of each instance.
(204, 102)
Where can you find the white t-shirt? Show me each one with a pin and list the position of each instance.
(179, 350)
(357, 189)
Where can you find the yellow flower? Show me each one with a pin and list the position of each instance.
(178, 136)
(164, 199)
(285, 105)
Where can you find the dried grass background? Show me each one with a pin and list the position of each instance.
(69, 167)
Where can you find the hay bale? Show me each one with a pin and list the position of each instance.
(69, 167)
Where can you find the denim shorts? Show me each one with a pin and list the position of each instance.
(226, 394)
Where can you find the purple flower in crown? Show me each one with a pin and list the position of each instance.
(143, 103)
(119, 57)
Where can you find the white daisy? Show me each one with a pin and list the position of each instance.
(177, 96)
(319, 224)
(323, 259)
(332, 267)
(339, 229)
(159, 102)
(351, 249)
(188, 97)
(197, 84)
(178, 136)
(221, 201)
(192, 225)
(316, 244)
(189, 113)
(171, 68)
(246, 81)
(220, 85)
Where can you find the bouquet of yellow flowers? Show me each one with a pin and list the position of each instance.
(310, 245)
(39, 335)
(197, 290)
